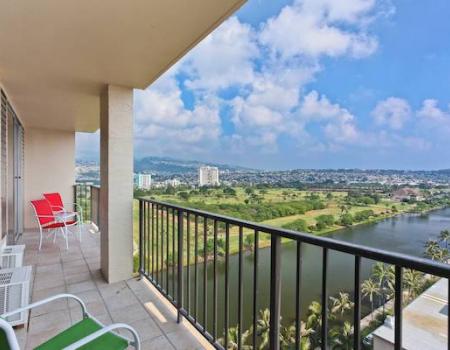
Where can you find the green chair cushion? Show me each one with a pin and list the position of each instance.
(4, 343)
(85, 327)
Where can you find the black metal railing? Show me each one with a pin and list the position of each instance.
(87, 198)
(183, 251)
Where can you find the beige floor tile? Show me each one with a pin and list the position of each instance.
(146, 328)
(159, 343)
(81, 287)
(129, 314)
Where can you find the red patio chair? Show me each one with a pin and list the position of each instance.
(49, 220)
(57, 204)
(58, 207)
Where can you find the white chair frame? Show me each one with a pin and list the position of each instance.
(64, 229)
(12, 339)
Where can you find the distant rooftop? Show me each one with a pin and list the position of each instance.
(424, 322)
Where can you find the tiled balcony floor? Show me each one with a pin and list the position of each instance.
(77, 271)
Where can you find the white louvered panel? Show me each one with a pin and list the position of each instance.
(12, 256)
(15, 292)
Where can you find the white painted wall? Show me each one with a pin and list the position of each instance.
(49, 166)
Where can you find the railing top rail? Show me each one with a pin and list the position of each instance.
(389, 257)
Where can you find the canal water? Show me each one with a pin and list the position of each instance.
(405, 234)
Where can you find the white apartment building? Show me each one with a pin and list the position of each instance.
(144, 181)
(208, 176)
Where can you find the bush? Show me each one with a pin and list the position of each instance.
(363, 215)
(347, 219)
(327, 220)
(229, 191)
(297, 225)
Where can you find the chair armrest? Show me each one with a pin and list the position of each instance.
(10, 335)
(46, 301)
(68, 204)
(104, 330)
(60, 208)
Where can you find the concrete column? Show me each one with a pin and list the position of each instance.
(116, 176)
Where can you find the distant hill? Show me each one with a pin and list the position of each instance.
(165, 165)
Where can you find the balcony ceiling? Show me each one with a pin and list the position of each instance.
(56, 56)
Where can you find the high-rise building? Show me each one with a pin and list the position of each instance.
(144, 181)
(208, 176)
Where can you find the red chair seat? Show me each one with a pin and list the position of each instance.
(59, 224)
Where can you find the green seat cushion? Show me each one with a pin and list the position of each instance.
(87, 326)
(4, 343)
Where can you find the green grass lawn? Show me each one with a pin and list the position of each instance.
(278, 195)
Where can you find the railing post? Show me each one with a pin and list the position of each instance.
(91, 201)
(275, 291)
(141, 237)
(180, 265)
(75, 197)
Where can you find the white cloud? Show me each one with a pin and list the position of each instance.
(431, 112)
(224, 58)
(270, 85)
(321, 27)
(339, 123)
(393, 112)
(162, 120)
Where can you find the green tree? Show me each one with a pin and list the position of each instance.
(314, 323)
(249, 191)
(170, 190)
(297, 225)
(414, 281)
(184, 195)
(233, 334)
(229, 191)
(249, 242)
(342, 337)
(382, 274)
(346, 219)
(341, 304)
(370, 289)
(444, 237)
(263, 328)
(431, 248)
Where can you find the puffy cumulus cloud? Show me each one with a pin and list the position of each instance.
(162, 120)
(314, 28)
(269, 67)
(338, 123)
(224, 58)
(393, 112)
(431, 113)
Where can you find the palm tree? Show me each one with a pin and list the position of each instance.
(370, 289)
(314, 323)
(263, 328)
(442, 255)
(287, 337)
(413, 280)
(444, 237)
(383, 274)
(341, 304)
(233, 334)
(431, 248)
(342, 337)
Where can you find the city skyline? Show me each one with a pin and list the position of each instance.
(306, 84)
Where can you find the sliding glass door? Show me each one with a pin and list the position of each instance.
(11, 172)
(18, 178)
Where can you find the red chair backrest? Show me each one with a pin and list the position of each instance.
(55, 200)
(42, 207)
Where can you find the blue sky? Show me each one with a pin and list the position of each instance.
(307, 84)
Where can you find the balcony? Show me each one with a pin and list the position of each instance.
(77, 271)
(227, 287)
